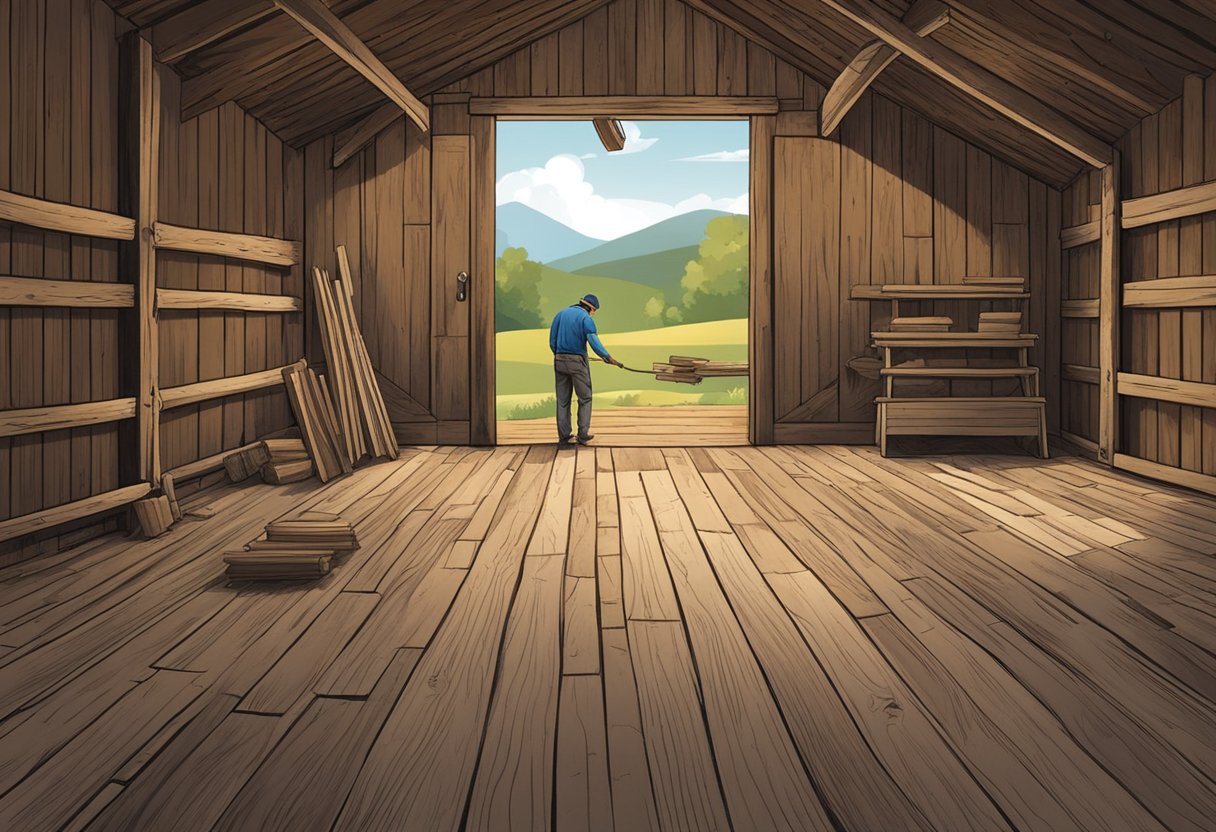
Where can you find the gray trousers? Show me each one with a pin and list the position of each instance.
(572, 374)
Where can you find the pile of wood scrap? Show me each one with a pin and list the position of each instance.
(154, 515)
(319, 427)
(684, 369)
(1008, 322)
(922, 323)
(362, 418)
(299, 548)
(279, 461)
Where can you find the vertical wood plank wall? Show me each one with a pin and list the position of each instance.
(1079, 336)
(909, 202)
(58, 141)
(223, 170)
(1167, 150)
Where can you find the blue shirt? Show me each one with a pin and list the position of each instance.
(572, 329)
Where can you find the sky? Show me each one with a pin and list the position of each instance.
(666, 168)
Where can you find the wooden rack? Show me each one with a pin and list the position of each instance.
(1021, 415)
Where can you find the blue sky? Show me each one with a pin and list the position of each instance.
(667, 168)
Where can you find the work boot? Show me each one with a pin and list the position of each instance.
(583, 440)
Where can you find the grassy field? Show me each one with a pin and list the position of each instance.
(525, 375)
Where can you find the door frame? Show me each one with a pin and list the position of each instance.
(484, 114)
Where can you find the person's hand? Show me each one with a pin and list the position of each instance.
(614, 361)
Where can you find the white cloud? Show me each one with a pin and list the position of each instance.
(719, 156)
(587, 156)
(560, 191)
(634, 143)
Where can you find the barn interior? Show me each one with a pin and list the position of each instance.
(266, 564)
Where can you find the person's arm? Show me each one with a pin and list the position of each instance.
(594, 340)
(553, 336)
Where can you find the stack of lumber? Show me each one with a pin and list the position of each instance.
(925, 323)
(685, 369)
(1001, 322)
(319, 427)
(361, 415)
(283, 565)
(1013, 284)
(298, 548)
(289, 462)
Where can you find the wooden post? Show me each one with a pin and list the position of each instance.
(138, 159)
(760, 270)
(1108, 314)
(482, 424)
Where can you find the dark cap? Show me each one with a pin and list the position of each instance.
(591, 300)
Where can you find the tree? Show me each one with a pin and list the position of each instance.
(715, 284)
(516, 291)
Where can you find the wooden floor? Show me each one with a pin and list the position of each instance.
(642, 427)
(633, 639)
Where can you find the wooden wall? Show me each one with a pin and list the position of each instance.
(59, 90)
(224, 170)
(1079, 335)
(892, 198)
(1167, 150)
(58, 140)
(905, 200)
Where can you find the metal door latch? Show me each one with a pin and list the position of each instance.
(462, 287)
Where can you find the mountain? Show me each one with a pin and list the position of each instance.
(677, 232)
(545, 239)
(661, 270)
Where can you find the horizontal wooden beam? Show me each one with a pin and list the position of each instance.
(1168, 473)
(69, 219)
(977, 82)
(328, 28)
(1080, 373)
(1171, 292)
(1170, 205)
(269, 250)
(624, 106)
(356, 137)
(203, 23)
(1079, 235)
(924, 17)
(1081, 308)
(238, 301)
(60, 417)
(77, 294)
(50, 517)
(1194, 393)
(202, 391)
(612, 135)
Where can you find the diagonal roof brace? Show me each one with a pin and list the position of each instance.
(611, 133)
(924, 17)
(328, 28)
(977, 82)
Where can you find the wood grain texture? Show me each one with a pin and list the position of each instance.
(68, 219)
(24, 291)
(227, 244)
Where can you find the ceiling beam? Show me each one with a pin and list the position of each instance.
(352, 139)
(201, 24)
(977, 82)
(316, 17)
(924, 17)
(611, 133)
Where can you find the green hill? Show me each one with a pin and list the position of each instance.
(623, 302)
(677, 232)
(662, 270)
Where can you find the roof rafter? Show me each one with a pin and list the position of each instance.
(204, 23)
(924, 17)
(977, 82)
(316, 17)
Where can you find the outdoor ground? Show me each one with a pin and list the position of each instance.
(525, 375)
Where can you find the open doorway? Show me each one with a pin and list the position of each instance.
(658, 232)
